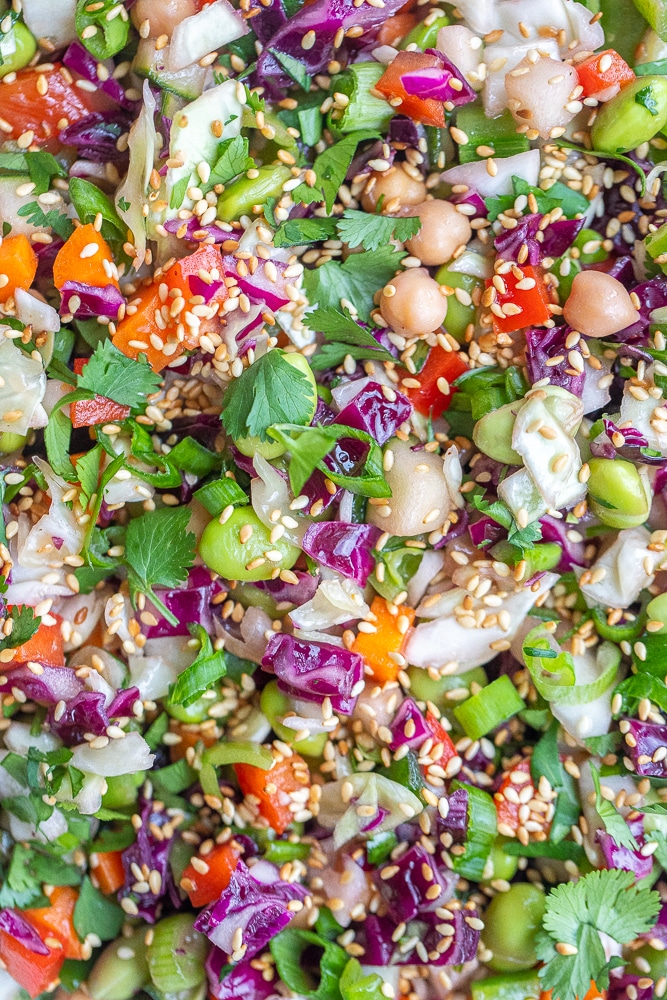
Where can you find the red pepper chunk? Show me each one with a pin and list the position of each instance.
(604, 71)
(441, 736)
(524, 302)
(204, 887)
(390, 85)
(56, 920)
(33, 970)
(88, 412)
(429, 397)
(272, 789)
(45, 647)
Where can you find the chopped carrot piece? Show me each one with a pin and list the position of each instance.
(45, 647)
(82, 258)
(191, 734)
(57, 920)
(18, 265)
(203, 887)
(274, 788)
(377, 647)
(139, 333)
(395, 28)
(108, 872)
(202, 274)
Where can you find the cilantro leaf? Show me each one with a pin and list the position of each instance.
(24, 627)
(357, 279)
(208, 667)
(374, 231)
(576, 913)
(309, 446)
(61, 224)
(88, 472)
(233, 159)
(572, 202)
(271, 391)
(344, 337)
(126, 381)
(151, 561)
(614, 823)
(330, 168)
(298, 232)
(523, 538)
(89, 202)
(96, 914)
(293, 68)
(646, 99)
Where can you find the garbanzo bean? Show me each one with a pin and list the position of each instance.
(395, 184)
(413, 304)
(443, 231)
(162, 15)
(599, 305)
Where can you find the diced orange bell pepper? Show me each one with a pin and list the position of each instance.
(107, 871)
(377, 647)
(604, 74)
(191, 735)
(394, 28)
(25, 108)
(82, 258)
(206, 265)
(429, 397)
(273, 788)
(593, 994)
(88, 412)
(205, 887)
(57, 920)
(45, 647)
(34, 971)
(525, 301)
(440, 735)
(139, 333)
(18, 265)
(390, 85)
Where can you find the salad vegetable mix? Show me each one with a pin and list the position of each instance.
(333, 557)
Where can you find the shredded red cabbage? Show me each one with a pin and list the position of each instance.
(191, 229)
(371, 411)
(242, 981)
(408, 893)
(191, 603)
(14, 923)
(541, 345)
(464, 943)
(541, 241)
(95, 137)
(435, 82)
(82, 62)
(315, 670)
(149, 850)
(408, 727)
(290, 593)
(648, 737)
(618, 988)
(557, 530)
(617, 856)
(94, 301)
(86, 713)
(345, 548)
(54, 684)
(456, 820)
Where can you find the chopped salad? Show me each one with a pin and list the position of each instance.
(333, 576)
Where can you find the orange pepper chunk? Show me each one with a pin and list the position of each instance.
(205, 887)
(139, 333)
(273, 788)
(18, 264)
(521, 307)
(192, 276)
(34, 971)
(45, 647)
(108, 872)
(57, 920)
(390, 85)
(603, 71)
(377, 647)
(82, 258)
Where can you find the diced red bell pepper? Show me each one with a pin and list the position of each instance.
(205, 887)
(440, 735)
(196, 275)
(45, 647)
(273, 788)
(604, 72)
(57, 920)
(508, 811)
(429, 398)
(525, 301)
(32, 970)
(88, 412)
(390, 85)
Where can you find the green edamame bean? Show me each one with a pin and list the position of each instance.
(459, 315)
(272, 449)
(565, 269)
(589, 245)
(11, 442)
(634, 116)
(617, 494)
(656, 611)
(657, 961)
(540, 558)
(499, 864)
(176, 954)
(119, 977)
(425, 34)
(512, 920)
(222, 550)
(239, 198)
(493, 434)
(25, 47)
(275, 705)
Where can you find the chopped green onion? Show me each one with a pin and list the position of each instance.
(364, 111)
(176, 954)
(482, 830)
(556, 680)
(289, 950)
(513, 986)
(485, 711)
(239, 752)
(498, 134)
(623, 632)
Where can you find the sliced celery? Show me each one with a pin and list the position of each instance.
(239, 752)
(498, 134)
(176, 954)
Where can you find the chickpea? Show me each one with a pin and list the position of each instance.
(413, 304)
(443, 231)
(394, 183)
(599, 305)
(162, 15)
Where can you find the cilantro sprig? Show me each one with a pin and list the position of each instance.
(111, 373)
(159, 551)
(343, 336)
(576, 914)
(357, 279)
(271, 391)
(354, 227)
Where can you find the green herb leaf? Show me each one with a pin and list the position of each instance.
(330, 167)
(150, 561)
(111, 373)
(358, 228)
(25, 626)
(208, 667)
(233, 159)
(357, 279)
(95, 914)
(614, 823)
(646, 99)
(88, 472)
(57, 221)
(293, 68)
(271, 391)
(545, 760)
(299, 232)
(344, 336)
(90, 202)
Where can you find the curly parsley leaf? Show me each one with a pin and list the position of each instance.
(208, 667)
(374, 231)
(271, 391)
(330, 168)
(344, 336)
(614, 823)
(357, 279)
(309, 446)
(126, 381)
(576, 913)
(151, 561)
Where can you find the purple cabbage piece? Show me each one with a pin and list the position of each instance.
(603, 445)
(648, 737)
(456, 820)
(258, 286)
(191, 603)
(372, 412)
(457, 529)
(541, 345)
(325, 18)
(250, 905)
(486, 530)
(633, 437)
(374, 935)
(472, 198)
(552, 241)
(122, 704)
(149, 850)
(315, 488)
(54, 684)
(243, 982)
(345, 548)
(408, 716)
(323, 415)
(616, 856)
(620, 268)
(86, 713)
(555, 530)
(435, 82)
(290, 593)
(463, 947)
(194, 231)
(270, 20)
(403, 131)
(95, 137)
(315, 670)
(200, 287)
(14, 923)
(94, 301)
(652, 295)
(405, 893)
(82, 62)
(618, 988)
